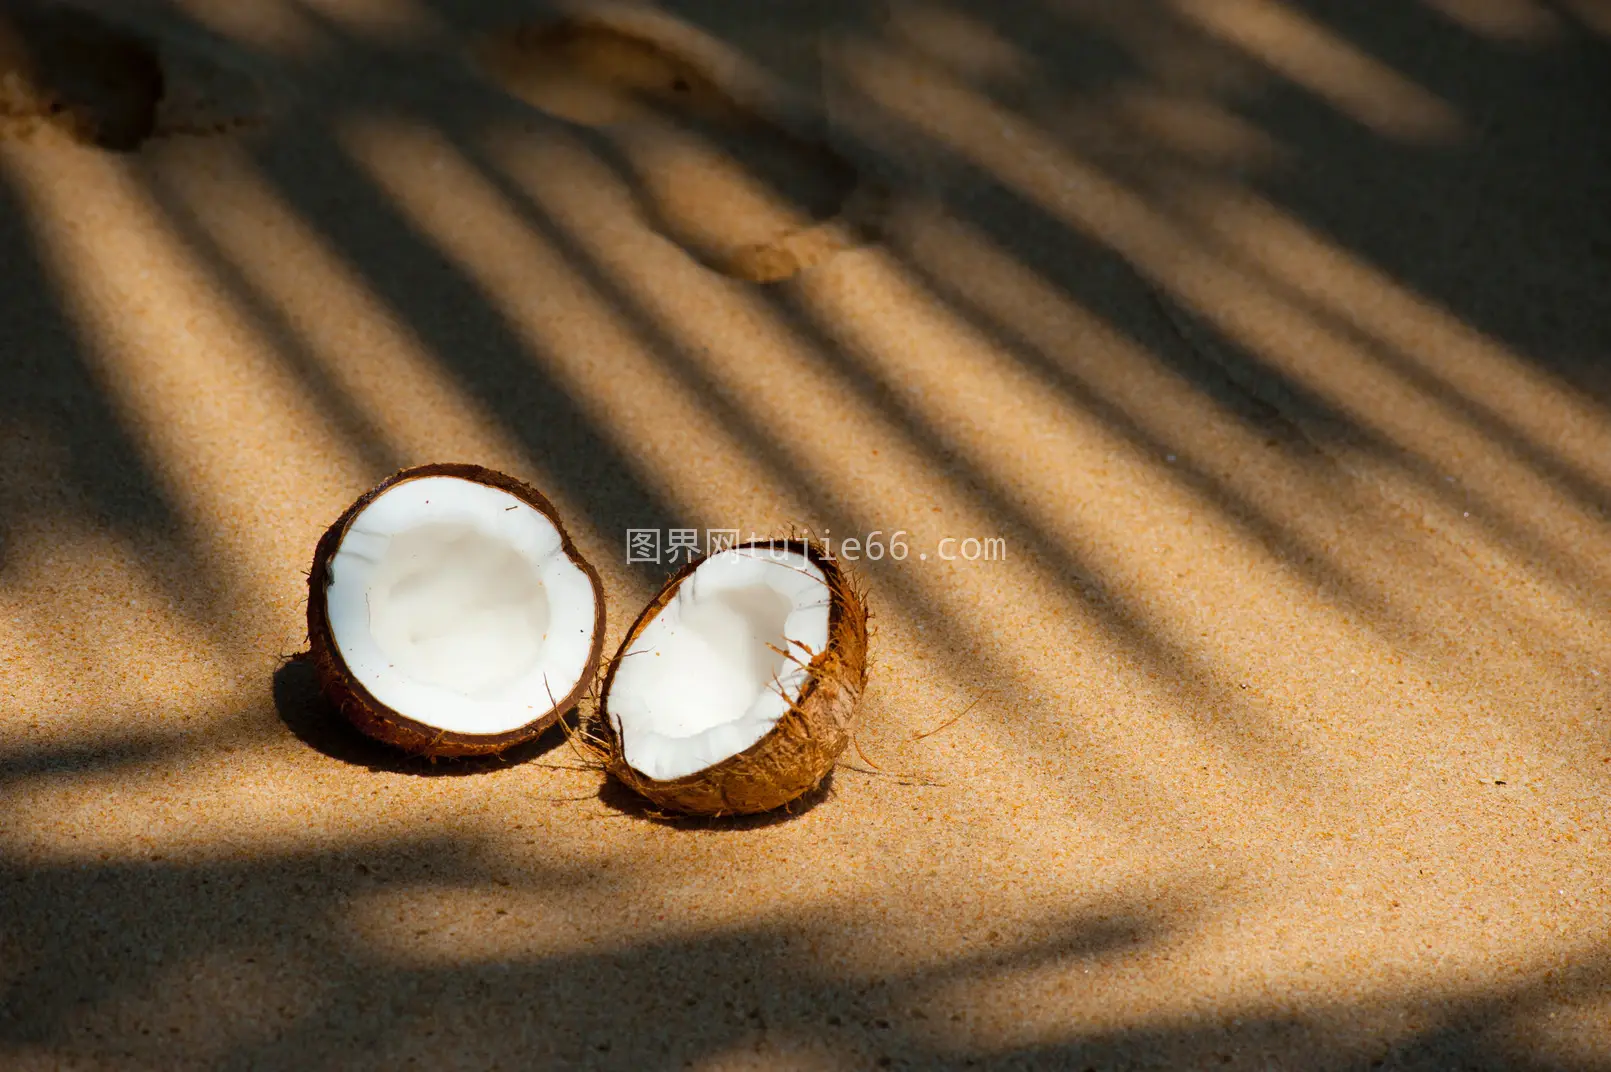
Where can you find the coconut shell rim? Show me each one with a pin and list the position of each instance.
(387, 724)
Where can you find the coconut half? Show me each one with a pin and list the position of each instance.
(449, 614)
(735, 691)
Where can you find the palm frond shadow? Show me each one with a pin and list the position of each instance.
(362, 988)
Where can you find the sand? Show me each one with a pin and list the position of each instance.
(1270, 339)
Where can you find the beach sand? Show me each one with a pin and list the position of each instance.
(1232, 375)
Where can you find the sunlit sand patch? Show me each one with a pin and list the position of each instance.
(1249, 308)
(81, 611)
(382, 370)
(84, 604)
(77, 75)
(959, 364)
(1539, 408)
(1526, 21)
(634, 399)
(1070, 348)
(962, 372)
(716, 173)
(283, 28)
(1479, 410)
(891, 468)
(1361, 87)
(1196, 127)
(962, 42)
(225, 430)
(704, 321)
(1071, 190)
(600, 72)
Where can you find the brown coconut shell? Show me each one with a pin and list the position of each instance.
(359, 705)
(808, 740)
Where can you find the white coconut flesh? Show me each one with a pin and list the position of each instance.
(721, 662)
(455, 605)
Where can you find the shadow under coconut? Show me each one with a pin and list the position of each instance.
(617, 797)
(738, 191)
(317, 724)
